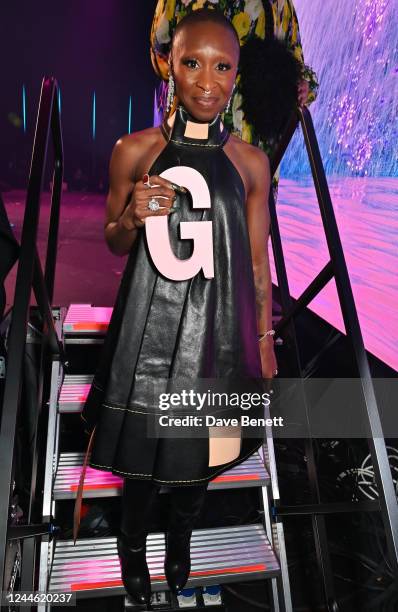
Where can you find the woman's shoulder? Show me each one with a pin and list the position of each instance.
(136, 140)
(252, 156)
(131, 150)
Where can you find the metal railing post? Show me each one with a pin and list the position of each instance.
(30, 275)
(335, 268)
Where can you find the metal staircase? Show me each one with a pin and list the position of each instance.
(219, 555)
(91, 568)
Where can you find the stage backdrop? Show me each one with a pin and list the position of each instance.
(93, 47)
(352, 45)
(102, 47)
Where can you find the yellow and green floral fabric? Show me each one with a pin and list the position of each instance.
(250, 19)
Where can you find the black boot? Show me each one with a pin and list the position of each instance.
(137, 505)
(186, 504)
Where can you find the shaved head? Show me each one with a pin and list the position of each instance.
(203, 16)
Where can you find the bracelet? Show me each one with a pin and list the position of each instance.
(270, 332)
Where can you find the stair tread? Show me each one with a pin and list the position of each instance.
(101, 483)
(226, 554)
(74, 391)
(86, 319)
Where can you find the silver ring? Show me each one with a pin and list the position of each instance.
(153, 204)
(276, 372)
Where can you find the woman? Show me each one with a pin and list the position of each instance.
(269, 21)
(202, 328)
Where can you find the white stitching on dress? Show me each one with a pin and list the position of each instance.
(177, 481)
(130, 410)
(120, 471)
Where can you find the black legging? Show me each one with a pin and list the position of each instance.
(138, 500)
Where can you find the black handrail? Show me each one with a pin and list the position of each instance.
(30, 275)
(336, 268)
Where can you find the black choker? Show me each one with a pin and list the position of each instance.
(217, 137)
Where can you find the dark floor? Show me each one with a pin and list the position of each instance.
(87, 272)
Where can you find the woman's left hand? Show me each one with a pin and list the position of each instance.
(303, 91)
(268, 360)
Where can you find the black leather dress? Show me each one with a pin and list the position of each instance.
(161, 328)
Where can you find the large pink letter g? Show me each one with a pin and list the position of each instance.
(157, 232)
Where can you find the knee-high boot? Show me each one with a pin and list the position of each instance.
(185, 508)
(138, 499)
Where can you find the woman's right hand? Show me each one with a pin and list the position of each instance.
(137, 210)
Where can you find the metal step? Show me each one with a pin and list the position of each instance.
(100, 483)
(84, 319)
(221, 555)
(87, 324)
(74, 391)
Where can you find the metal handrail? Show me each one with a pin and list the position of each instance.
(336, 268)
(30, 275)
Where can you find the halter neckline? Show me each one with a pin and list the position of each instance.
(217, 132)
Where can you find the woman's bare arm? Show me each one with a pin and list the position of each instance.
(120, 232)
(126, 204)
(258, 225)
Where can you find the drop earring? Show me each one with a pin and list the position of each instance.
(170, 92)
(228, 107)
